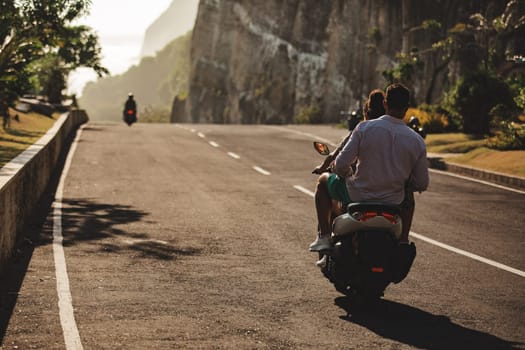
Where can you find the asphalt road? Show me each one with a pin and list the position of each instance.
(196, 236)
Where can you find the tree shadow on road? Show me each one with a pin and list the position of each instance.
(85, 220)
(418, 328)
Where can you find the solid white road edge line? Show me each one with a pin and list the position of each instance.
(476, 180)
(445, 246)
(65, 306)
(260, 170)
(312, 136)
(320, 139)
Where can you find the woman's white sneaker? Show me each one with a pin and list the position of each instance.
(320, 243)
(322, 263)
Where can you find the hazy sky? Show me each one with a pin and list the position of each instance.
(120, 25)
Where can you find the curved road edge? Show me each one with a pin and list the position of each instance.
(24, 179)
(438, 162)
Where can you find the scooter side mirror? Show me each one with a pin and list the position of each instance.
(322, 148)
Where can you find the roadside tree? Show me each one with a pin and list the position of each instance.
(35, 30)
(487, 52)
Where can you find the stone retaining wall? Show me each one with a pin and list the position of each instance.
(24, 179)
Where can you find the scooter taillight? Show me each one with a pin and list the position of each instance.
(377, 269)
(363, 216)
(130, 112)
(390, 217)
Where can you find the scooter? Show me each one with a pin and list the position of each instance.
(130, 116)
(367, 254)
(415, 125)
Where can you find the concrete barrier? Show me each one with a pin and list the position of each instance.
(24, 179)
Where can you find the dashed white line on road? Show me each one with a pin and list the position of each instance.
(261, 170)
(233, 155)
(445, 246)
(413, 234)
(214, 144)
(201, 135)
(184, 128)
(65, 306)
(304, 190)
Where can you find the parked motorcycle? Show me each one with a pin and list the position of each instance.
(130, 116)
(366, 254)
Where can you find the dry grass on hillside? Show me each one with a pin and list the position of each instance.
(22, 133)
(506, 162)
(472, 152)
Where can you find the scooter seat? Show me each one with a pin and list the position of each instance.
(368, 217)
(373, 206)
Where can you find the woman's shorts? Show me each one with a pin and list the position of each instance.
(337, 189)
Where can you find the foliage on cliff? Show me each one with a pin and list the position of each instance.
(487, 49)
(155, 81)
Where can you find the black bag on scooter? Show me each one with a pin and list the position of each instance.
(403, 257)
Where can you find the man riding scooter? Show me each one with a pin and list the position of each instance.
(389, 157)
(130, 110)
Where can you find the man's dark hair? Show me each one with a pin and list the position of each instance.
(397, 97)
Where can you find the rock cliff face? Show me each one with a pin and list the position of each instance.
(176, 21)
(270, 61)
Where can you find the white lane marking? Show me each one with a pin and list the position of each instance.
(201, 135)
(468, 254)
(445, 246)
(183, 128)
(261, 170)
(233, 155)
(304, 190)
(65, 306)
(312, 136)
(214, 144)
(475, 180)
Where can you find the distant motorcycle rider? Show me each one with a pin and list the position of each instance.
(130, 110)
(130, 103)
